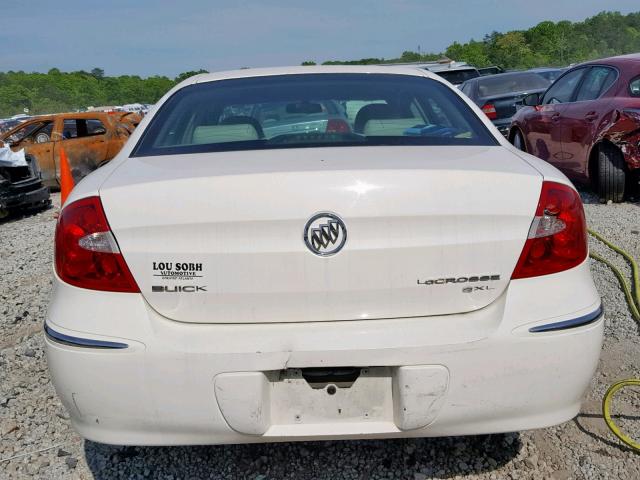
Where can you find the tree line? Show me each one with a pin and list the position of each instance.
(546, 44)
(57, 91)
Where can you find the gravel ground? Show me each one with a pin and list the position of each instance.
(32, 418)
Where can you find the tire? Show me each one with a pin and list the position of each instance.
(611, 173)
(518, 141)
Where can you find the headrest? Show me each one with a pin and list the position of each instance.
(371, 111)
(224, 133)
(394, 127)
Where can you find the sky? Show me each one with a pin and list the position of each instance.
(145, 37)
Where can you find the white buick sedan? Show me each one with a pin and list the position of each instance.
(320, 253)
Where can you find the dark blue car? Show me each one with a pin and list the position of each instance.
(500, 96)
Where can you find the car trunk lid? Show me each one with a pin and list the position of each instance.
(508, 104)
(218, 237)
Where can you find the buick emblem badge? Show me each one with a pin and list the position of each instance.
(325, 234)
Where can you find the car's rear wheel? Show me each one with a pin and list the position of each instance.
(611, 173)
(518, 141)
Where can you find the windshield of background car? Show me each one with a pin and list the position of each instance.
(458, 76)
(289, 111)
(505, 84)
(32, 130)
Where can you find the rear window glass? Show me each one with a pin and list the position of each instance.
(505, 84)
(295, 111)
(551, 75)
(458, 76)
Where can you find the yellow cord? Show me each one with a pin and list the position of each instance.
(606, 411)
(633, 299)
(623, 283)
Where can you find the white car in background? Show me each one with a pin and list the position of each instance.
(397, 271)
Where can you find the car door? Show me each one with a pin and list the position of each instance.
(581, 118)
(543, 131)
(84, 141)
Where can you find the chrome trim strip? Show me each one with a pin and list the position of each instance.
(81, 342)
(573, 323)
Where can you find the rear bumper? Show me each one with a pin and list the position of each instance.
(203, 384)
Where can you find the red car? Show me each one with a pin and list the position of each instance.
(587, 124)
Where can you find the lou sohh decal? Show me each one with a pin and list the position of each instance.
(178, 271)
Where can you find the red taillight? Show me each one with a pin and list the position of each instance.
(87, 254)
(557, 238)
(336, 125)
(490, 111)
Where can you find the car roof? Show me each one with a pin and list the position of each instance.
(544, 69)
(446, 68)
(502, 75)
(80, 115)
(615, 61)
(312, 69)
(436, 66)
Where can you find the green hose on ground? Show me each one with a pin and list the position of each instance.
(632, 295)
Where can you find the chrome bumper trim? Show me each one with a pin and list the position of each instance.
(573, 323)
(81, 342)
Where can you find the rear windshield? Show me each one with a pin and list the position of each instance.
(504, 84)
(294, 111)
(459, 76)
(551, 75)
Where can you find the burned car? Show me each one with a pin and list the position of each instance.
(21, 187)
(89, 139)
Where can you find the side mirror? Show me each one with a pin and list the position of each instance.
(532, 100)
